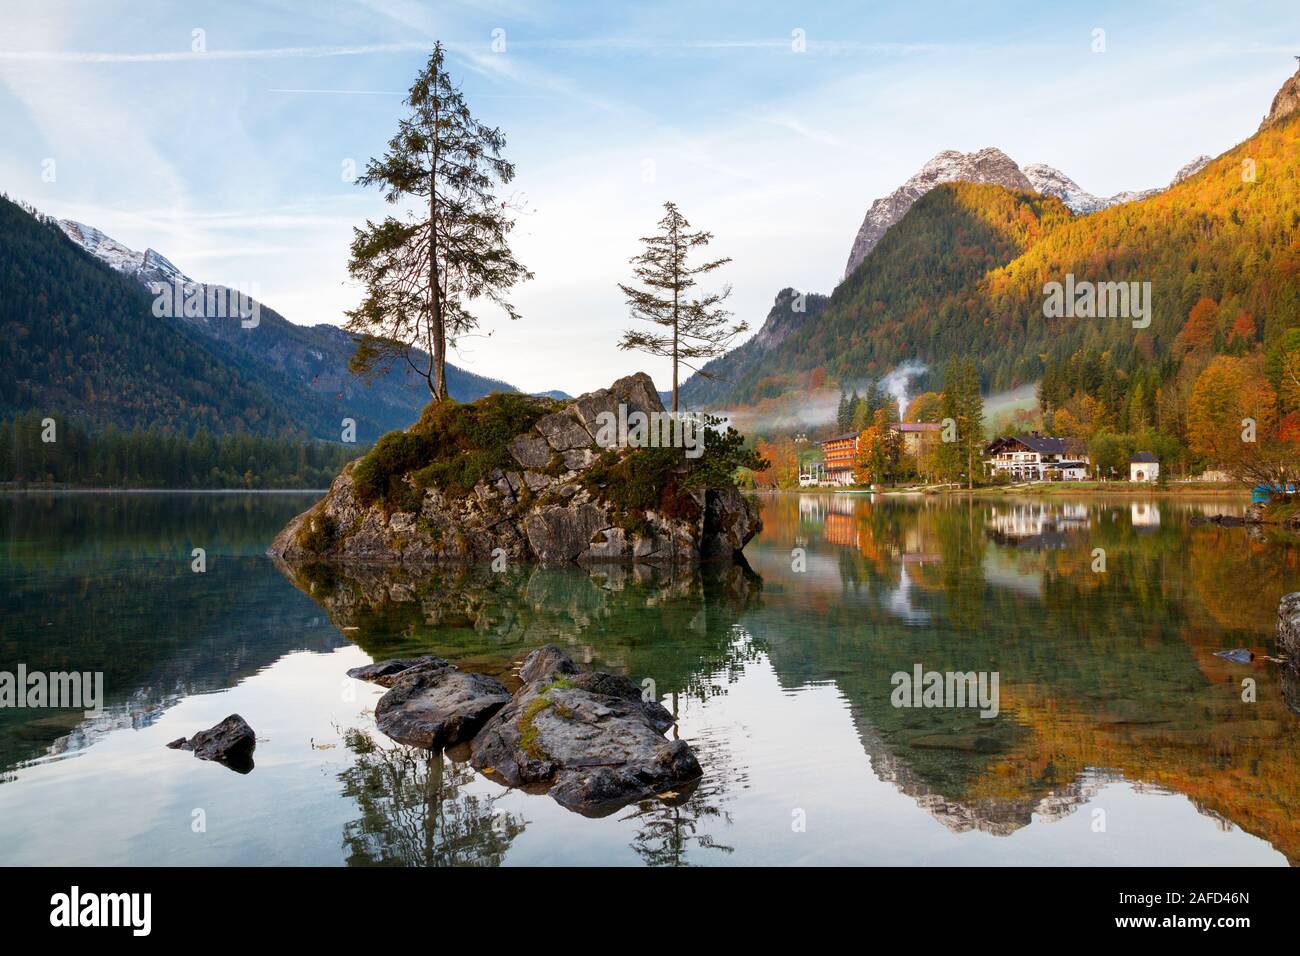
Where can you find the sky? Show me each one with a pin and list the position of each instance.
(772, 125)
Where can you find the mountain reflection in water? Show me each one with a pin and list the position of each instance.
(1109, 689)
(1104, 675)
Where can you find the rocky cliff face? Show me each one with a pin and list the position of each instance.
(986, 166)
(1187, 172)
(1285, 103)
(1052, 182)
(558, 503)
(789, 313)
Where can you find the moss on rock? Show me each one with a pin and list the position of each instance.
(529, 738)
(452, 448)
(318, 532)
(641, 480)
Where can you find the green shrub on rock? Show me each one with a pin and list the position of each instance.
(452, 448)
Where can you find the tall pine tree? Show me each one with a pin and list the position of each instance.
(421, 272)
(696, 323)
(962, 403)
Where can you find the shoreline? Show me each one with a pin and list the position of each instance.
(1079, 489)
(162, 491)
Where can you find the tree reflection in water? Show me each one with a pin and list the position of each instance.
(415, 811)
(668, 828)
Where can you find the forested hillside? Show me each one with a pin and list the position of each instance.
(904, 300)
(741, 369)
(963, 274)
(80, 339)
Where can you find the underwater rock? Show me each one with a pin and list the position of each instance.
(385, 673)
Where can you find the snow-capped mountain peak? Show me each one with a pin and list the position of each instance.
(988, 165)
(148, 266)
(1050, 181)
(1191, 169)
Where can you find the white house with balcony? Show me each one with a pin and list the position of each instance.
(1036, 457)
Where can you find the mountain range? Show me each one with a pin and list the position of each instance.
(77, 305)
(988, 165)
(955, 261)
(952, 263)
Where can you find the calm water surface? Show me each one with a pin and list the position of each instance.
(1121, 738)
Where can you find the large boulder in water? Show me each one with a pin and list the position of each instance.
(730, 520)
(434, 705)
(588, 740)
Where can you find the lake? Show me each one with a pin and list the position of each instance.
(1119, 737)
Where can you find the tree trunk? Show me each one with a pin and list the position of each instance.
(439, 353)
(677, 279)
(674, 357)
(437, 330)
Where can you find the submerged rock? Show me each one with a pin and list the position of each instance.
(588, 740)
(559, 492)
(546, 663)
(230, 743)
(385, 673)
(1255, 514)
(434, 705)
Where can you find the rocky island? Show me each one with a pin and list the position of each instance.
(519, 478)
(608, 478)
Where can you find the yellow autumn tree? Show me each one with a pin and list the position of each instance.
(926, 407)
(1067, 426)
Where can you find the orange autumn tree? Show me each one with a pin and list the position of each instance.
(1288, 429)
(1198, 330)
(879, 451)
(1229, 395)
(1243, 330)
(784, 456)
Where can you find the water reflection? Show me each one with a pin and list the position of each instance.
(781, 674)
(677, 626)
(1107, 671)
(105, 583)
(1104, 673)
(416, 809)
(679, 831)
